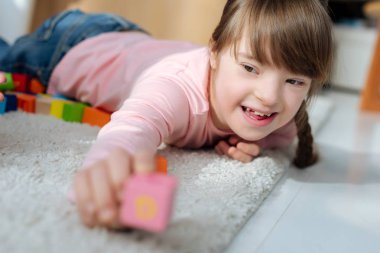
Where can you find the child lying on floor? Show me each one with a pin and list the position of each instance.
(246, 91)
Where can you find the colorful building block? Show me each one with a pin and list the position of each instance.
(11, 104)
(161, 164)
(3, 105)
(73, 112)
(148, 201)
(21, 82)
(26, 103)
(56, 108)
(8, 84)
(43, 104)
(95, 117)
(36, 86)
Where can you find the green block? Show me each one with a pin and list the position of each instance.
(8, 84)
(73, 112)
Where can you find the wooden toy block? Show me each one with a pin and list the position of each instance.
(56, 108)
(95, 117)
(148, 201)
(43, 104)
(73, 112)
(3, 105)
(26, 103)
(36, 86)
(62, 97)
(370, 96)
(161, 164)
(8, 84)
(21, 82)
(11, 104)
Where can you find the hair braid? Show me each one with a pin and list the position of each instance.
(305, 155)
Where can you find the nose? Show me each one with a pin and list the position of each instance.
(268, 91)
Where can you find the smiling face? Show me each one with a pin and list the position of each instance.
(250, 98)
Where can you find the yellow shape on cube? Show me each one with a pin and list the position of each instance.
(145, 207)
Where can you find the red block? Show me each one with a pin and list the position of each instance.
(21, 82)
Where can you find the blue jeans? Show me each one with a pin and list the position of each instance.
(38, 53)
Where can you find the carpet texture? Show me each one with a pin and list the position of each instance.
(40, 154)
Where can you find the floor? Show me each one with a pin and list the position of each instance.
(333, 206)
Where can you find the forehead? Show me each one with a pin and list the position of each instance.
(260, 51)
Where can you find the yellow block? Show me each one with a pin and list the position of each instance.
(56, 108)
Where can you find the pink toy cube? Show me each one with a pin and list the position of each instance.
(148, 201)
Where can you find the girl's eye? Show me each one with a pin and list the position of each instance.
(295, 82)
(249, 69)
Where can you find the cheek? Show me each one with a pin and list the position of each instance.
(294, 101)
(224, 84)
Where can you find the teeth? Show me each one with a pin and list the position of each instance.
(257, 113)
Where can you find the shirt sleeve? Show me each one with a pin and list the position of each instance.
(156, 109)
(282, 137)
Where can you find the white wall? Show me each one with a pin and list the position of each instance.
(354, 49)
(15, 18)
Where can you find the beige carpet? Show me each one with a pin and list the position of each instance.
(40, 154)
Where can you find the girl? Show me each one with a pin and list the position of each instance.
(245, 92)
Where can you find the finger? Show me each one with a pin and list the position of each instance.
(249, 148)
(223, 147)
(83, 198)
(119, 164)
(239, 155)
(233, 140)
(217, 150)
(144, 163)
(218, 147)
(103, 194)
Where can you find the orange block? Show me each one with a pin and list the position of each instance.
(95, 117)
(26, 102)
(161, 164)
(36, 87)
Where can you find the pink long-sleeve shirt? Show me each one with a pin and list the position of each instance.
(158, 91)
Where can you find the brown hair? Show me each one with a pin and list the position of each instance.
(298, 34)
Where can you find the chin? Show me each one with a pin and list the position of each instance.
(252, 136)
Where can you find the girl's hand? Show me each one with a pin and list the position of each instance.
(98, 188)
(2, 77)
(2, 80)
(238, 149)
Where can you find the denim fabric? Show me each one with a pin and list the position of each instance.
(38, 53)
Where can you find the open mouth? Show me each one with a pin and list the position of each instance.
(256, 114)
